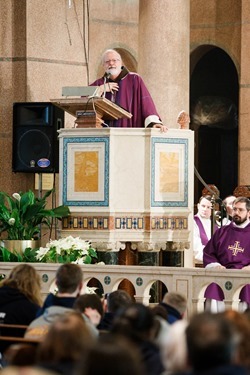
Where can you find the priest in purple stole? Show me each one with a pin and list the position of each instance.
(230, 245)
(202, 226)
(202, 234)
(127, 90)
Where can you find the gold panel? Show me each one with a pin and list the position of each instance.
(86, 171)
(169, 172)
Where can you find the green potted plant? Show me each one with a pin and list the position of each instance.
(22, 214)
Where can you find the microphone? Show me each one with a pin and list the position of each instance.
(107, 74)
(106, 78)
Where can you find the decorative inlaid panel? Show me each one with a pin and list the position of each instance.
(86, 223)
(126, 223)
(86, 171)
(169, 171)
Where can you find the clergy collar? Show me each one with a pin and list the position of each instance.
(243, 225)
(123, 74)
(205, 219)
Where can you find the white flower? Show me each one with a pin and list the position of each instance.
(11, 221)
(79, 261)
(73, 248)
(16, 196)
(89, 290)
(41, 252)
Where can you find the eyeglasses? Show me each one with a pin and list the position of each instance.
(235, 209)
(114, 61)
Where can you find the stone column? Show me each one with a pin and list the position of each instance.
(12, 84)
(164, 55)
(244, 94)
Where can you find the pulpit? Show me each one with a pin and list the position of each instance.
(128, 185)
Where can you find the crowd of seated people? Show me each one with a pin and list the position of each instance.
(85, 334)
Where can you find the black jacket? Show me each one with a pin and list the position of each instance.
(15, 308)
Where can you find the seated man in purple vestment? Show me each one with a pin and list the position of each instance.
(127, 90)
(202, 226)
(230, 245)
(202, 234)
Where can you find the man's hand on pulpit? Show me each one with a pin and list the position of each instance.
(162, 127)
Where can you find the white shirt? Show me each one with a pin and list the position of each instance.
(198, 247)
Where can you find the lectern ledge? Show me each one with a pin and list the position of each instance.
(90, 112)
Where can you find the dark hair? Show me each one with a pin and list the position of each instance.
(68, 339)
(211, 341)
(159, 310)
(88, 300)
(135, 321)
(112, 355)
(117, 300)
(243, 200)
(68, 277)
(207, 197)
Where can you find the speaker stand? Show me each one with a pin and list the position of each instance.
(40, 185)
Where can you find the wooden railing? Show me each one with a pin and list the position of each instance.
(192, 282)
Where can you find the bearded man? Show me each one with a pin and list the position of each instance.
(229, 247)
(127, 90)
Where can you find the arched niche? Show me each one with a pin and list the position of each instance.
(214, 103)
(156, 289)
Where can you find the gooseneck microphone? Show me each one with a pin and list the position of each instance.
(106, 78)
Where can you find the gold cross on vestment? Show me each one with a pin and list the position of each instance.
(236, 248)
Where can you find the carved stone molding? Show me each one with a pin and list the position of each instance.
(148, 246)
(109, 246)
(177, 245)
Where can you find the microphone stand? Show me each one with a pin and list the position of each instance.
(106, 77)
(215, 198)
(104, 86)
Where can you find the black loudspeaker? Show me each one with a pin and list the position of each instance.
(35, 137)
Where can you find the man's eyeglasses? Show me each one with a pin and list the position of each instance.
(114, 61)
(235, 209)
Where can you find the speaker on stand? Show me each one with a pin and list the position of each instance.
(35, 138)
(35, 146)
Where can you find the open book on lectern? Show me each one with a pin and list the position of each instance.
(90, 109)
(81, 91)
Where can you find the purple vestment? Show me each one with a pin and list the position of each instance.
(203, 235)
(133, 96)
(213, 291)
(230, 246)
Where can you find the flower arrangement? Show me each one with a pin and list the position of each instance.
(22, 213)
(68, 249)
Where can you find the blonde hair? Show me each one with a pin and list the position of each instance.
(26, 279)
(176, 300)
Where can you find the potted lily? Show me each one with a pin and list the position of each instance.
(22, 214)
(67, 249)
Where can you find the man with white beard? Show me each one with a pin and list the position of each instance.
(127, 90)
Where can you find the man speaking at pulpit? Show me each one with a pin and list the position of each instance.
(127, 90)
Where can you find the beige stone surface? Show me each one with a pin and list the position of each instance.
(217, 23)
(164, 55)
(45, 45)
(244, 167)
